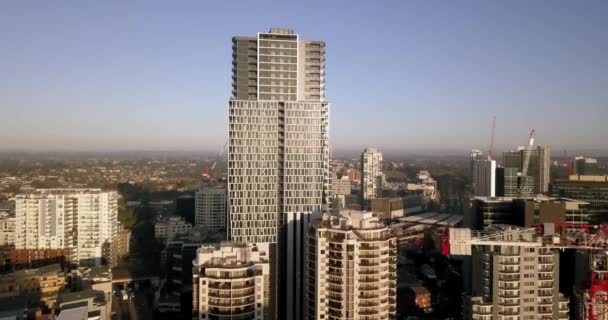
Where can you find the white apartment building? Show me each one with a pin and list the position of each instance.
(210, 208)
(232, 281)
(81, 220)
(371, 173)
(352, 268)
(484, 178)
(169, 228)
(515, 282)
(7, 230)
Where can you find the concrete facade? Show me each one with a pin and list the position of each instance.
(352, 268)
(232, 281)
(515, 282)
(278, 152)
(83, 221)
(210, 208)
(371, 173)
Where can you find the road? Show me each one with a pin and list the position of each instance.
(135, 308)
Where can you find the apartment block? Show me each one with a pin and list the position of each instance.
(372, 176)
(340, 187)
(42, 283)
(210, 208)
(352, 268)
(7, 230)
(81, 221)
(171, 227)
(232, 281)
(515, 282)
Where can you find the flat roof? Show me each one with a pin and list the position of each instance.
(73, 314)
(436, 219)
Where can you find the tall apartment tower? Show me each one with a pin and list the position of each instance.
(515, 282)
(371, 173)
(231, 281)
(278, 152)
(539, 167)
(84, 221)
(210, 208)
(484, 178)
(352, 268)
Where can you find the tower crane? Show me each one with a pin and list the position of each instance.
(558, 236)
(492, 138)
(524, 170)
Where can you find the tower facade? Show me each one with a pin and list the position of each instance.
(371, 177)
(539, 167)
(278, 152)
(484, 178)
(210, 208)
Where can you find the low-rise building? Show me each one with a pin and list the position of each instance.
(340, 186)
(169, 228)
(232, 280)
(43, 283)
(488, 211)
(93, 301)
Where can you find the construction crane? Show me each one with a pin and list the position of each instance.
(522, 176)
(558, 236)
(492, 138)
(209, 171)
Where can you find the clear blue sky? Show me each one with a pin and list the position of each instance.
(408, 75)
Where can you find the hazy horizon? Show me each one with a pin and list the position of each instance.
(402, 76)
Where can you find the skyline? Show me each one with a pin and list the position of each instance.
(157, 77)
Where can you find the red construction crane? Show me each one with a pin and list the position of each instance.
(562, 236)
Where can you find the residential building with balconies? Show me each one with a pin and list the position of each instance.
(352, 268)
(231, 281)
(81, 221)
(515, 282)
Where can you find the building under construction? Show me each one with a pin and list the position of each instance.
(519, 270)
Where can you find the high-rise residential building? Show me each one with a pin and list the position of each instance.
(476, 154)
(7, 230)
(232, 281)
(352, 268)
(82, 221)
(515, 282)
(371, 173)
(278, 152)
(210, 208)
(538, 168)
(484, 178)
